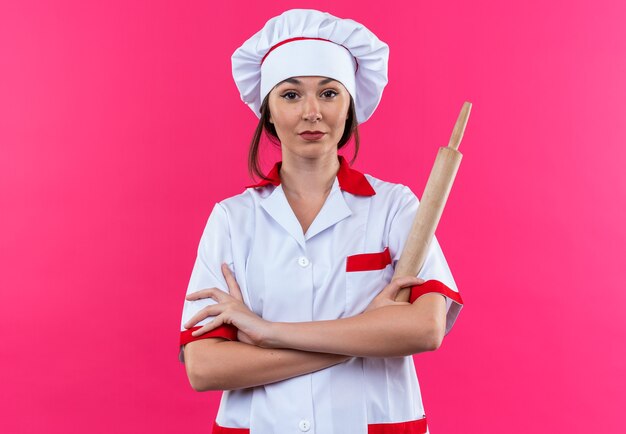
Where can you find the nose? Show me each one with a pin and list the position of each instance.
(311, 110)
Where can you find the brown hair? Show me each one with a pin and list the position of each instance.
(351, 128)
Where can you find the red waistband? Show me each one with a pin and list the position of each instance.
(411, 427)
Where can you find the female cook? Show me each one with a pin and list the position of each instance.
(290, 309)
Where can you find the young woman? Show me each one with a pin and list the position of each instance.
(290, 309)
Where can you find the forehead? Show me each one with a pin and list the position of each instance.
(320, 81)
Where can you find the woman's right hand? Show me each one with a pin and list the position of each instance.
(231, 309)
(387, 296)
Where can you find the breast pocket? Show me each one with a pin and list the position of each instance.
(366, 275)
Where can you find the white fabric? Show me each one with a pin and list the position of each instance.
(258, 235)
(371, 54)
(308, 57)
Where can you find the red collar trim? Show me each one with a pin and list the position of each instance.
(350, 180)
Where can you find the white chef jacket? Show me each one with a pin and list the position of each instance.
(346, 257)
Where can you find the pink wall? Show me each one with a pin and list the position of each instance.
(120, 126)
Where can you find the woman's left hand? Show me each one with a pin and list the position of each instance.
(387, 297)
(229, 309)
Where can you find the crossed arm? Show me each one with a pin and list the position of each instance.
(268, 352)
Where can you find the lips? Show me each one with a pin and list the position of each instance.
(312, 135)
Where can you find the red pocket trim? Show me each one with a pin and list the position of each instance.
(434, 286)
(411, 427)
(368, 261)
(224, 331)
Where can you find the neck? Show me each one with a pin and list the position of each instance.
(307, 177)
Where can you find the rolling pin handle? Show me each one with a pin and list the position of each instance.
(459, 127)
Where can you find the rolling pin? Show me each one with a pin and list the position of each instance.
(431, 205)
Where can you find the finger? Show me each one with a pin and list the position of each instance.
(214, 293)
(233, 286)
(197, 295)
(401, 282)
(216, 322)
(391, 290)
(405, 281)
(212, 310)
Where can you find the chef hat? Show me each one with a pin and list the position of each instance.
(303, 42)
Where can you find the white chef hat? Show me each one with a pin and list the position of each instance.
(302, 42)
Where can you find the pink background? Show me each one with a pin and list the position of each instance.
(120, 126)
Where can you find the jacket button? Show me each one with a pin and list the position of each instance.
(304, 425)
(303, 261)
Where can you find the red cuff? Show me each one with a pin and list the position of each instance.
(224, 331)
(434, 286)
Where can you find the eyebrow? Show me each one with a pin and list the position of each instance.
(296, 81)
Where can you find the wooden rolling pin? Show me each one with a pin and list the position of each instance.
(431, 205)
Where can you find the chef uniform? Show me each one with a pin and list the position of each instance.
(335, 269)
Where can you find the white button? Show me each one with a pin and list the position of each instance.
(303, 261)
(304, 424)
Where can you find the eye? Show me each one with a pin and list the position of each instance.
(289, 95)
(329, 93)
